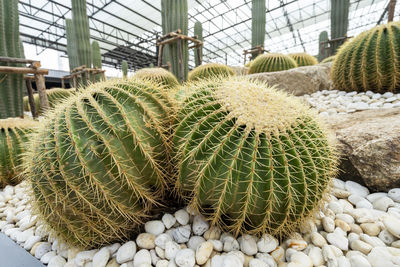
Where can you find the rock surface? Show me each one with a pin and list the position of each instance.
(299, 81)
(369, 142)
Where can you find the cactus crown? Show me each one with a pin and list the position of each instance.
(210, 70)
(246, 165)
(13, 135)
(160, 76)
(370, 61)
(271, 62)
(304, 59)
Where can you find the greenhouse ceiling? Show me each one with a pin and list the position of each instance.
(132, 26)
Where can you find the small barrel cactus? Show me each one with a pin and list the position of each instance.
(271, 62)
(210, 70)
(304, 59)
(160, 76)
(55, 96)
(370, 61)
(245, 164)
(98, 161)
(13, 137)
(328, 59)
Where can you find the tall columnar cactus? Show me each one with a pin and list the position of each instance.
(54, 96)
(176, 17)
(323, 46)
(198, 30)
(258, 11)
(159, 76)
(271, 62)
(339, 22)
(96, 59)
(210, 70)
(71, 44)
(303, 59)
(13, 137)
(246, 165)
(11, 85)
(166, 56)
(98, 162)
(370, 61)
(124, 66)
(82, 32)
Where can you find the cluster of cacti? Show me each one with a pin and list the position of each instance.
(339, 23)
(210, 70)
(323, 46)
(97, 163)
(246, 165)
(198, 53)
(328, 59)
(124, 67)
(258, 13)
(272, 62)
(71, 44)
(54, 96)
(304, 59)
(13, 137)
(82, 33)
(175, 17)
(160, 76)
(11, 85)
(370, 61)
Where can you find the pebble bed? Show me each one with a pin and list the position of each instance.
(331, 102)
(355, 229)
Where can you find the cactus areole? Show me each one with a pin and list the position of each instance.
(250, 158)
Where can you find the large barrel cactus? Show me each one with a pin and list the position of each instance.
(54, 96)
(13, 138)
(370, 61)
(258, 20)
(210, 70)
(271, 62)
(98, 162)
(160, 76)
(252, 159)
(304, 59)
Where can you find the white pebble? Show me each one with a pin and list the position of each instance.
(126, 252)
(328, 224)
(257, 263)
(383, 203)
(31, 241)
(356, 188)
(101, 258)
(42, 249)
(171, 248)
(47, 257)
(168, 220)
(154, 227)
(359, 261)
(386, 237)
(230, 244)
(302, 259)
(200, 225)
(267, 243)
(146, 240)
(195, 241)
(203, 252)
(185, 258)
(182, 216)
(248, 245)
(392, 225)
(181, 234)
(361, 246)
(57, 261)
(315, 254)
(162, 239)
(338, 240)
(374, 196)
(142, 257)
(394, 194)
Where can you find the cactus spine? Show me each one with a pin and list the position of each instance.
(210, 70)
(258, 11)
(246, 165)
(54, 96)
(96, 58)
(124, 66)
(323, 46)
(13, 136)
(198, 30)
(11, 85)
(159, 76)
(271, 62)
(95, 168)
(82, 32)
(370, 61)
(176, 17)
(71, 44)
(303, 59)
(339, 22)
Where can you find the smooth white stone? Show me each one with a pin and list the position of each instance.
(392, 225)
(42, 249)
(248, 245)
(217, 261)
(47, 257)
(169, 220)
(316, 256)
(146, 241)
(361, 246)
(218, 245)
(101, 258)
(84, 257)
(364, 204)
(185, 258)
(387, 95)
(386, 237)
(329, 256)
(57, 261)
(200, 225)
(154, 227)
(383, 203)
(25, 235)
(363, 215)
(113, 248)
(318, 240)
(182, 216)
(372, 240)
(267, 243)
(162, 239)
(335, 207)
(359, 261)
(345, 217)
(339, 184)
(353, 236)
(374, 196)
(356, 188)
(338, 240)
(162, 263)
(195, 241)
(230, 244)
(343, 262)
(181, 234)
(381, 257)
(171, 248)
(203, 252)
(126, 252)
(266, 258)
(302, 259)
(154, 257)
(288, 253)
(328, 224)
(257, 263)
(142, 257)
(31, 241)
(232, 260)
(394, 194)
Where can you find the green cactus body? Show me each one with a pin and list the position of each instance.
(96, 59)
(98, 162)
(258, 12)
(124, 66)
(198, 30)
(328, 59)
(271, 62)
(339, 22)
(246, 165)
(13, 137)
(164, 13)
(176, 17)
(323, 45)
(159, 76)
(11, 85)
(210, 70)
(304, 59)
(370, 61)
(55, 96)
(71, 44)
(82, 32)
